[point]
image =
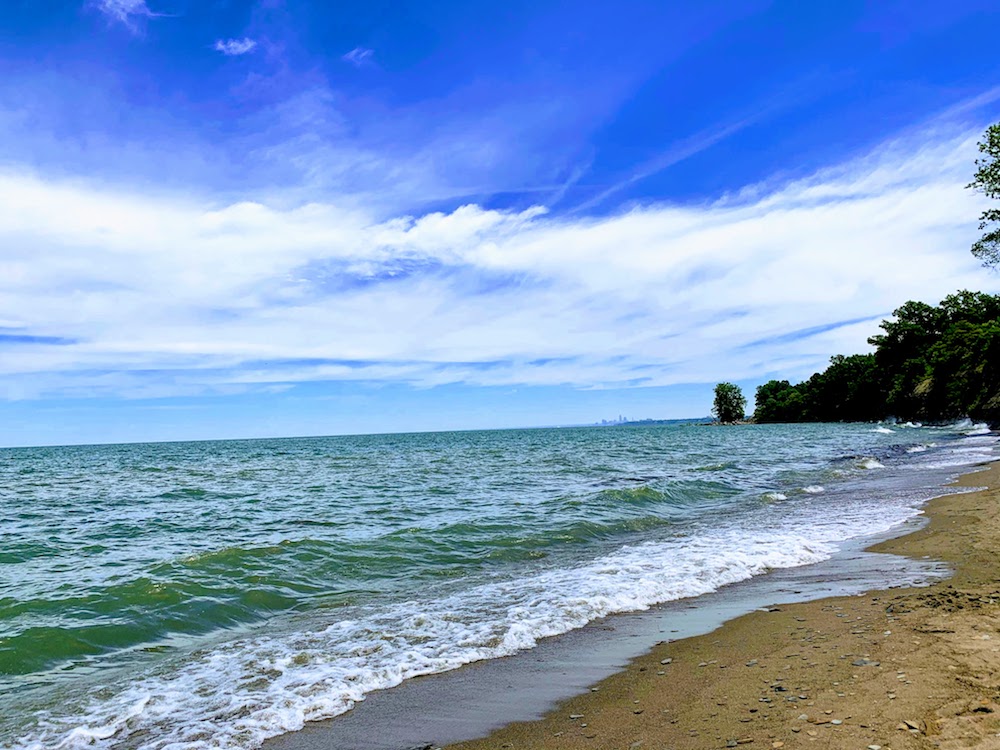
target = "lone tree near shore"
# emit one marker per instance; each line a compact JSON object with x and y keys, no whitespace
{"x":987,"y":181}
{"x":730,"y":404}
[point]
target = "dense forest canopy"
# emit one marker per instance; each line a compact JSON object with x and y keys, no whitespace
{"x":930,"y":363}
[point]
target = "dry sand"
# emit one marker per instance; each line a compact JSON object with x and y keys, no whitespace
{"x":902,"y":668}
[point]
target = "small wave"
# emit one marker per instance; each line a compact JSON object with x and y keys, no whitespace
{"x":641,"y":495}
{"x":910,"y":425}
{"x":718,"y":467}
{"x":23,"y":552}
{"x":884,"y":431}
{"x":962,"y":424}
{"x":955,"y":457}
{"x":968,"y":427}
{"x":678,"y":493}
{"x":773,"y":496}
{"x":813,"y":489}
{"x":184,"y":493}
{"x":916,"y":449}
{"x":870,"y":463}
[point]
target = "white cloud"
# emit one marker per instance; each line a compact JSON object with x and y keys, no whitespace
{"x":234,"y":47}
{"x":168,"y":295}
{"x":124,"y":10}
{"x":359,"y":57}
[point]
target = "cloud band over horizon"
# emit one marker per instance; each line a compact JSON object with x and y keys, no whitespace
{"x":106,"y":292}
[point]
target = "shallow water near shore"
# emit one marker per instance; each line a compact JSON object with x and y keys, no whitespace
{"x":221,"y":593}
{"x":470,"y":702}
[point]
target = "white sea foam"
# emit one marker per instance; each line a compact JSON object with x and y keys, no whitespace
{"x":916,"y":449}
{"x":870,"y":463}
{"x":962,"y":455}
{"x":962,"y":424}
{"x":968,"y":427}
{"x":910,"y":425}
{"x":775,"y":496}
{"x":884,"y":431}
{"x":813,"y":489}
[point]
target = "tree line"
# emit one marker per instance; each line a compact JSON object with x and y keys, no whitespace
{"x":930,"y":363}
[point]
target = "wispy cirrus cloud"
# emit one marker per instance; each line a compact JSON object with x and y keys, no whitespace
{"x":360,"y":57}
{"x":153,"y":295}
{"x":234,"y":47}
{"x":683,"y":149}
{"x":124,"y":11}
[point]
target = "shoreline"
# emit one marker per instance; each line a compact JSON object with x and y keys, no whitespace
{"x":484,"y":696}
{"x":892,"y":668}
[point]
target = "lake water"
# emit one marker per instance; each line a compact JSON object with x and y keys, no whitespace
{"x":214,"y":594}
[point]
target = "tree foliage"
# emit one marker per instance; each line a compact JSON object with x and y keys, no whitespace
{"x":779,"y":401}
{"x":849,"y":390}
{"x":930,"y":363}
{"x":730,"y":404}
{"x":987,"y":181}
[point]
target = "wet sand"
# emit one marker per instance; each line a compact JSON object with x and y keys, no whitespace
{"x":902,"y":668}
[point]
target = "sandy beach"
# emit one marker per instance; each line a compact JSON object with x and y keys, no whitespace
{"x":900,"y":668}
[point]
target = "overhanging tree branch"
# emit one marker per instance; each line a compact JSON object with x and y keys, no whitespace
{"x":987,"y":181}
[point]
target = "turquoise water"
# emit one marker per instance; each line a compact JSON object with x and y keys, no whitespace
{"x":213,"y":594}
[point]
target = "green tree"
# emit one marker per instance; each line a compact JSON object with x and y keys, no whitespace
{"x":730,"y":404}
{"x":849,"y":390}
{"x":918,"y":357}
{"x":901,"y":354}
{"x":987,"y":181}
{"x":963,"y":373}
{"x":778,"y":401}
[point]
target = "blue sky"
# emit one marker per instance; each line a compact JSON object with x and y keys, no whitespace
{"x":228,"y":219}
